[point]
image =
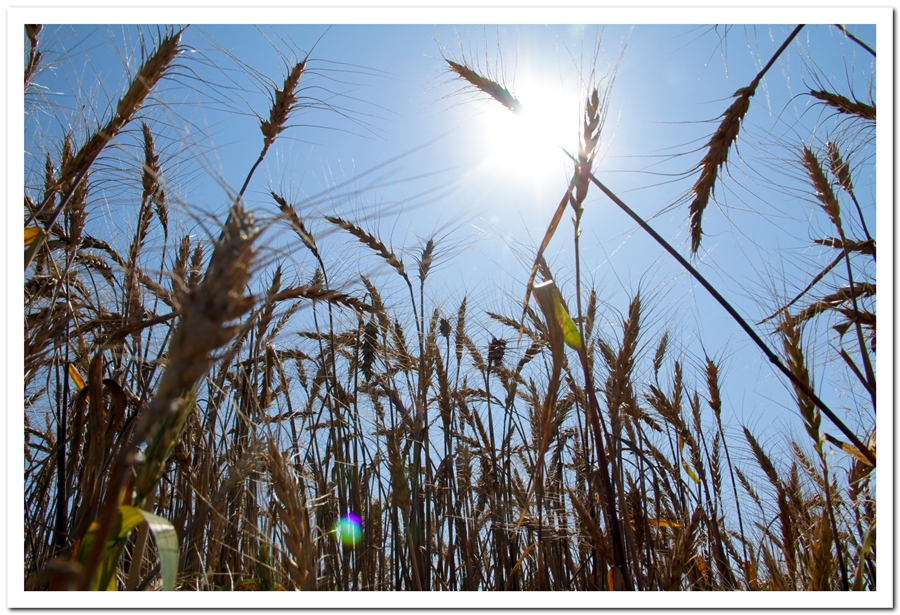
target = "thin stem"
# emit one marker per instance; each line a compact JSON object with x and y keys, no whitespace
{"x":831,"y":519}
{"x":854,"y":39}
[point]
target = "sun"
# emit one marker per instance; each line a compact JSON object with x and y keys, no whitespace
{"x":529,"y":145}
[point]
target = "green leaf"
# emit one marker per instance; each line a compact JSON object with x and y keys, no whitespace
{"x":560,"y":324}
{"x":166,"y":543}
{"x":124,"y":523}
{"x":570,"y":331}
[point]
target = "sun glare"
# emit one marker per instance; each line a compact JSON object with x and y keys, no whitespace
{"x":527,"y":145}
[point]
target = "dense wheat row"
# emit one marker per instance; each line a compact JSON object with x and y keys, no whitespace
{"x":337,"y":434}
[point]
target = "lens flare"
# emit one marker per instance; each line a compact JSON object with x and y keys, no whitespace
{"x":349,"y":529}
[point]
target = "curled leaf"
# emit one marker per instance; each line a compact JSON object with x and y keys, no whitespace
{"x":684,"y":463}
{"x":560,"y":325}
{"x":166,"y":542}
{"x":690,"y":471}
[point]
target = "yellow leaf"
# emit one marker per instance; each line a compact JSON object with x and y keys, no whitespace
{"x":124,"y":522}
{"x":663,"y":523}
{"x":684,"y":463}
{"x":32,"y":233}
{"x":75,"y":376}
{"x":849,"y":448}
{"x":570,"y":332}
{"x":519,"y":563}
{"x":701,"y":566}
{"x":690,"y":472}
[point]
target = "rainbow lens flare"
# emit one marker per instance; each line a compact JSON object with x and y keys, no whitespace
{"x":349,"y":529}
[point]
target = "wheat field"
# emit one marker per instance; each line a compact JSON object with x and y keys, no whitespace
{"x":280,"y":394}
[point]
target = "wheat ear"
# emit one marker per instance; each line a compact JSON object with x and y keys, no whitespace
{"x":372,"y":242}
{"x":488,"y":86}
{"x":831,"y":206}
{"x":844,"y":105}
{"x":716,"y":156}
{"x":284,"y":102}
{"x":720,"y":143}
